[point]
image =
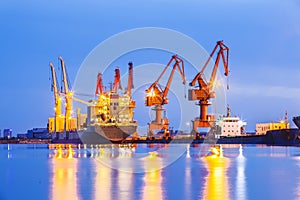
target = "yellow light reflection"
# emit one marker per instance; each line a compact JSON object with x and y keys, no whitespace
{"x":216,"y":182}
{"x":152,"y":185}
{"x":152,"y":178}
{"x":105,"y":174}
{"x":103,"y":181}
{"x":64,"y":179}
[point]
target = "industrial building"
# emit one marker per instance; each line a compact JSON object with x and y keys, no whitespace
{"x":261,"y":129}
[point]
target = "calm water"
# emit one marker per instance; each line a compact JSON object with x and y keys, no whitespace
{"x":242,"y":172}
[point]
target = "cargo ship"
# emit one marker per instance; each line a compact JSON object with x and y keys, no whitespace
{"x":110,"y":120}
{"x":273,"y":133}
{"x":296,"y":120}
{"x":230,"y":130}
{"x":106,"y":133}
{"x":286,"y":136}
{"x":110,"y":117}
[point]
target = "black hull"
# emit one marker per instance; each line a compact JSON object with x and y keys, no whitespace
{"x":106,"y":134}
{"x":296,"y":120}
{"x":249,"y":139}
{"x":286,"y":137}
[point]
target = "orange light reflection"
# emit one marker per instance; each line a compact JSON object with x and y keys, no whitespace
{"x":64,"y":179}
{"x":216,"y":183}
{"x":152,"y":178}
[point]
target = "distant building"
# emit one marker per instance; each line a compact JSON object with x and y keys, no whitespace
{"x":7,"y":133}
{"x":38,"y":133}
{"x":261,"y":129}
{"x":22,"y":135}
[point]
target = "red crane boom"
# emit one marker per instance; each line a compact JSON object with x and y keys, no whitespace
{"x":205,"y":91}
{"x":156,"y":95}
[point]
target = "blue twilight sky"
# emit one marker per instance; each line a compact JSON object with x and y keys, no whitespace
{"x":263,"y":36}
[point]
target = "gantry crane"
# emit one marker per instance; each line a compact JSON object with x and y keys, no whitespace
{"x":102,"y":103}
{"x":55,"y":124}
{"x":70,"y":123}
{"x":99,"y":86}
{"x":117,"y":81}
{"x":130,"y":80}
{"x":129,"y":90}
{"x":57,"y":99}
{"x":206,"y":89}
{"x":157,"y":97}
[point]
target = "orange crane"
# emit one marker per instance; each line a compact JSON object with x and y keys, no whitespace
{"x":130,"y":80}
{"x":157,"y":97}
{"x":129,"y":90}
{"x":117,"y":81}
{"x":55,"y":124}
{"x":205,"y":91}
{"x":99,"y":86}
{"x":102,"y":104}
{"x":70,"y":123}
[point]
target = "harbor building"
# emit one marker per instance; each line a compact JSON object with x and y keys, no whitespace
{"x":261,"y":129}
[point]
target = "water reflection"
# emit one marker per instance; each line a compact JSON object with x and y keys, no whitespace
{"x":188,"y":154}
{"x":102,"y":188}
{"x":107,"y":183}
{"x":152,"y":177}
{"x":216,"y":183}
{"x":64,"y":179}
{"x":241,"y":191}
{"x":125,"y":184}
{"x":297,"y":189}
{"x":188,"y":182}
{"x":279,"y":151}
{"x":152,"y":185}
{"x":9,"y":154}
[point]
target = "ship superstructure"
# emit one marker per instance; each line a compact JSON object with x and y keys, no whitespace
{"x":110,"y":116}
{"x":231,"y":126}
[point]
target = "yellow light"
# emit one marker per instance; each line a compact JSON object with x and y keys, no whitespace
{"x":151,"y":93}
{"x":215,"y":151}
{"x":152,"y":155}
